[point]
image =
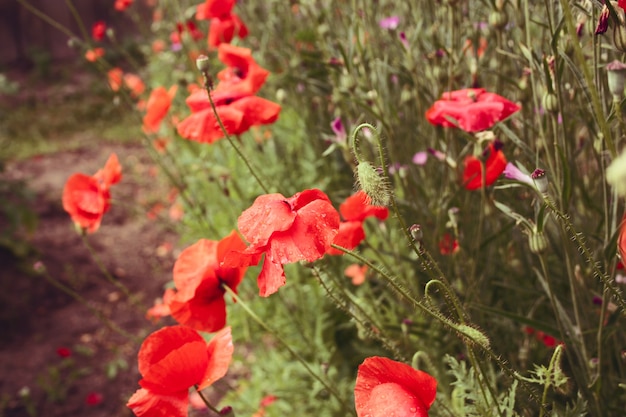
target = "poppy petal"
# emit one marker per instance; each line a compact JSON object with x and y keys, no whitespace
{"x":172,"y":359}
{"x":271,"y":278}
{"x":147,"y":404}
{"x":349,"y":236}
{"x":405,"y":383}
{"x":268,"y":214}
{"x":220,"y":352}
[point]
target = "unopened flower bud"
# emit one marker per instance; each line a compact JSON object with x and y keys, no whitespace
{"x":541,"y":180}
{"x":616,"y":75}
{"x":550,"y":102}
{"x":203,"y":63}
{"x":537,"y":241}
{"x":416,"y":232}
{"x":373,"y":183}
{"x":227,"y":411}
{"x":498,"y":19}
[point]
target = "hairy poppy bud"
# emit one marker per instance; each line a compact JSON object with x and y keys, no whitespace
{"x":373,"y":183}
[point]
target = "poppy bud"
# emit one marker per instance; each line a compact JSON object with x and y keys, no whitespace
{"x":474,"y":335}
{"x":537,"y":241}
{"x":498,"y":19}
{"x":616,"y":75}
{"x":203,"y":63}
{"x":416,"y":232}
{"x":227,"y":411}
{"x":373,"y":183}
{"x":550,"y":102}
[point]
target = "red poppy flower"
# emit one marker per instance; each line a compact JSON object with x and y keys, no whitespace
{"x":470,"y":109}
{"x":198,"y":276}
{"x":115,"y":77}
{"x":494,"y":165}
{"x":161,"y":306}
{"x":86,"y":198}
{"x":214,"y":8}
{"x":448,"y":245}
{"x":98,"y":30}
{"x":224,"y":29}
{"x":354,"y":210}
{"x":357,"y":273}
{"x":172,"y":360}
{"x":64,"y":352}
{"x":237,"y":117}
{"x":286,"y":230}
{"x":94,"y":398}
{"x":134,"y":83}
{"x":94,"y":54}
{"x":388,"y":388}
{"x":357,"y":207}
{"x":157,"y":107}
{"x":121,"y":5}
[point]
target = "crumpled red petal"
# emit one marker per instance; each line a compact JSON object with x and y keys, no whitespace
{"x":147,"y":404}
{"x":220,"y":352}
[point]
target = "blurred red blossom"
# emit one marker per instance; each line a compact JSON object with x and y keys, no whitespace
{"x":470,"y":109}
{"x":448,"y":245}
{"x":494,"y":164}
{"x":357,"y":273}
{"x":98,"y":30}
{"x":121,"y":5}
{"x":225,"y":24}
{"x":173,"y":359}
{"x":94,"y":54}
{"x":388,"y":388}
{"x":86,"y":198}
{"x":157,"y":107}
{"x":286,"y":230}
{"x":64,"y":352}
{"x":94,"y":398}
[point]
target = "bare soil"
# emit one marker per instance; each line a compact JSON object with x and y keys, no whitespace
{"x":36,"y":318}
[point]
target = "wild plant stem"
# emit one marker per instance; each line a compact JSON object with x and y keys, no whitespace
{"x":242,"y":155}
{"x":295,"y":354}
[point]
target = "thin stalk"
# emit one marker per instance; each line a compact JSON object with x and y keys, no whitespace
{"x":235,"y":145}
{"x":295,"y":354}
{"x":206,"y":401}
{"x":98,"y":314}
{"x":47,"y":19}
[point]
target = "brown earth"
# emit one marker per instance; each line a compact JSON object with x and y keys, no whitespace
{"x":36,"y":318}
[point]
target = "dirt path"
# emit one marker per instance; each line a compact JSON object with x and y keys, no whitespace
{"x":37,"y":319}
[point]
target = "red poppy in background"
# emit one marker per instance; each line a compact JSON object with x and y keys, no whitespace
{"x":224,"y":29}
{"x":242,"y":77}
{"x":388,"y":388}
{"x":121,"y":5}
{"x":237,"y":118}
{"x":173,"y":359}
{"x":621,"y":240}
{"x":286,"y":230}
{"x":98,"y":30}
{"x":354,"y":210}
{"x":214,"y":8}
{"x":199,"y":279}
{"x":494,"y":164}
{"x":86,"y":198}
{"x":115,"y":77}
{"x":470,"y":109}
{"x":448,"y":245}
{"x":157,"y":107}
{"x":94,"y":54}
{"x":357,"y":273}
{"x":134,"y":83}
